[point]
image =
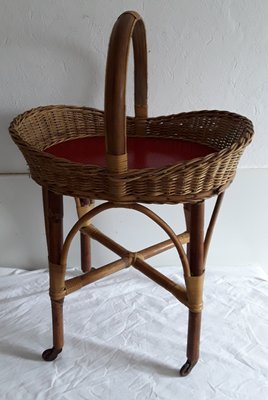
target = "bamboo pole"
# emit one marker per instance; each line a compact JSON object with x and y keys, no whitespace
{"x":175,"y":288}
{"x":147,"y":252}
{"x":78,"y":282}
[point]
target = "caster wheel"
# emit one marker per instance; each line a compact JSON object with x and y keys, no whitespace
{"x":51,"y":354}
{"x":187,"y":368}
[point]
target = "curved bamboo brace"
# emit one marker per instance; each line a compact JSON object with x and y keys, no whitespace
{"x":169,"y":231}
{"x":78,"y":225}
{"x":137,"y":260}
{"x":105,"y":206}
{"x":211,"y":225}
{"x":82,"y":209}
{"x":146,"y":252}
{"x":129,"y":25}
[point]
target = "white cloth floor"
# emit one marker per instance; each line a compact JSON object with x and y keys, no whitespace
{"x":125,"y":339}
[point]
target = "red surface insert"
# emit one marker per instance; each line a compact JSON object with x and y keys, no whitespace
{"x":142,"y":152}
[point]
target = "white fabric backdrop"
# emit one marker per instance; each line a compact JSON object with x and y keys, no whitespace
{"x":125,"y":339}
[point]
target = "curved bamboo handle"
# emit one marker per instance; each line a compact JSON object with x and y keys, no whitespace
{"x":129,"y":25}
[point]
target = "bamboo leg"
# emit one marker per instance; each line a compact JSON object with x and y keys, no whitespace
{"x":84,"y":205}
{"x":85,"y":252}
{"x":195,"y":223}
{"x":45,"y":209}
{"x":53,"y":209}
{"x":85,"y":244}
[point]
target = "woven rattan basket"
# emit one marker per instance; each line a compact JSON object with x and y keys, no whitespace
{"x":185,"y":181}
{"x":90,"y":154}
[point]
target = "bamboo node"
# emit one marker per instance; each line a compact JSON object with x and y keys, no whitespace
{"x":57,"y":288}
{"x":133,"y":257}
{"x":57,"y":295}
{"x":194,"y":289}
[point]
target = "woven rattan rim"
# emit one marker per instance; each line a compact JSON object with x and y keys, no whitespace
{"x":189,"y":181}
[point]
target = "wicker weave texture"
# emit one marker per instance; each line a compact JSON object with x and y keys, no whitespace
{"x":189,"y":181}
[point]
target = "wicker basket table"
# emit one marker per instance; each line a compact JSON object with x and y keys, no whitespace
{"x":89,"y":154}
